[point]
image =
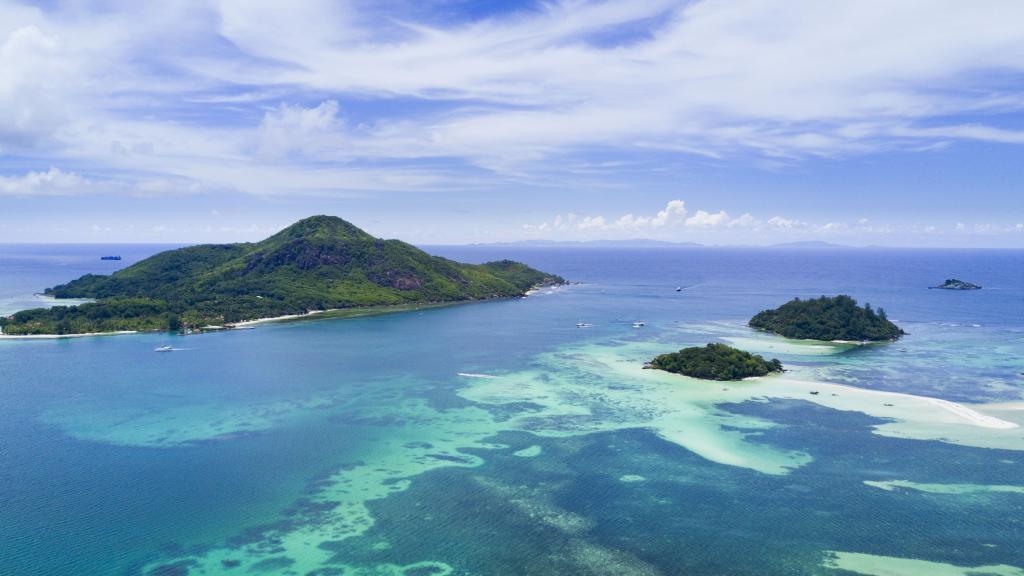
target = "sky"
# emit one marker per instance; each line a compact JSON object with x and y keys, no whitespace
{"x":864,"y":122}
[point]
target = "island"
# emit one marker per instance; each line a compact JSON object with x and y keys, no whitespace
{"x":956,"y":284}
{"x":715,"y":362}
{"x":837,"y":318}
{"x":317,"y":264}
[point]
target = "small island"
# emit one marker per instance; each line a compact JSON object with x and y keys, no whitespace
{"x":956,"y":284}
{"x":317,"y":264}
{"x":715,"y":362}
{"x":826,"y":318}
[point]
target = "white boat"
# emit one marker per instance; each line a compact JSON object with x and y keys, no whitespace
{"x":639,"y":324}
{"x":583,"y":325}
{"x":163,"y":349}
{"x":679,"y":288}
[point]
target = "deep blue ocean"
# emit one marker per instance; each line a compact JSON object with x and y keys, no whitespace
{"x":499,"y":439}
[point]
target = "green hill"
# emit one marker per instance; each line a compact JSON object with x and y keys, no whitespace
{"x":825,"y":318}
{"x":715,"y":362}
{"x":319,"y":263}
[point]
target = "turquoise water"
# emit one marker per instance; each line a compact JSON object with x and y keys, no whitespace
{"x":498,"y":438}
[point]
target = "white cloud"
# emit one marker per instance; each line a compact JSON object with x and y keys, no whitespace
{"x":31,"y":68}
{"x":672,"y":223}
{"x":708,"y":78}
{"x":591,"y":222}
{"x":780,"y":222}
{"x":295,"y":129}
{"x":719,"y":227}
{"x":704,"y":219}
{"x":964,"y":132}
{"x":53,"y":182}
{"x":667,"y":221}
{"x":57,"y":182}
{"x":744,"y":221}
{"x":121,"y":87}
{"x":674,"y":213}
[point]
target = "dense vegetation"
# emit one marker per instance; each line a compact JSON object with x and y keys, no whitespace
{"x":715,"y":362}
{"x":318,"y":263}
{"x":825,"y":318}
{"x":957,"y":284}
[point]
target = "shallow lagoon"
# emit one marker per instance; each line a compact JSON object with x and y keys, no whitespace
{"x":379,"y":446}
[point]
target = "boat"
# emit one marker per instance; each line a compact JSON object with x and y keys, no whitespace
{"x":583,"y":325}
{"x":638,"y":324}
{"x":679,"y":288}
{"x":110,"y":257}
{"x":163,"y":349}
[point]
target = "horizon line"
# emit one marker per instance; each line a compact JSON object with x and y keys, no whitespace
{"x":582,"y":244}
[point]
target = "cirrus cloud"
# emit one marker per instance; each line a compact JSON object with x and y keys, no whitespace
{"x":584,"y":99}
{"x":504,"y":92}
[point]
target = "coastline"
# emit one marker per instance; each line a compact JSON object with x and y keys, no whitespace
{"x":62,"y":301}
{"x":961,"y":413}
{"x":333,"y":313}
{"x":354,"y":312}
{"x":329,"y":314}
{"x":230,"y":325}
{"x":816,"y":341}
{"x":60,"y":336}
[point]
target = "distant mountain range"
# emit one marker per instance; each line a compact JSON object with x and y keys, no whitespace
{"x":631,"y":243}
{"x":648,"y":243}
{"x":810,"y":244}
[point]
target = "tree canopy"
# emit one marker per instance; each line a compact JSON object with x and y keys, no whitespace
{"x":828,"y":318}
{"x":715,"y":362}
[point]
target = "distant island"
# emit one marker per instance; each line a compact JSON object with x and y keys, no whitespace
{"x":825,"y":318}
{"x":715,"y":362}
{"x":649,"y":243}
{"x":629,"y":243}
{"x":319,"y":263}
{"x":956,"y":284}
{"x":809,"y":244}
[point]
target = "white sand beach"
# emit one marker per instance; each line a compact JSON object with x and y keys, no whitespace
{"x":60,"y":336}
{"x":274,"y":319}
{"x":972,"y":416}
